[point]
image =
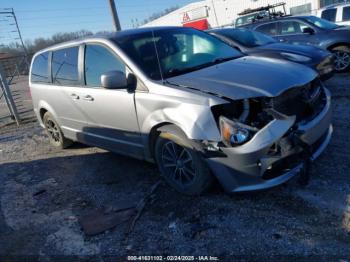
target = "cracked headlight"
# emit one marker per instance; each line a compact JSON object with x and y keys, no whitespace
{"x":295,"y":57}
{"x":233,"y":133}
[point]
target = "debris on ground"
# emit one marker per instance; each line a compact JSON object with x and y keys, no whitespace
{"x":141,"y":205}
{"x":99,"y":221}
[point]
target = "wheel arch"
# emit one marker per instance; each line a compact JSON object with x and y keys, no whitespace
{"x":334,"y":45}
{"x":44,"y":107}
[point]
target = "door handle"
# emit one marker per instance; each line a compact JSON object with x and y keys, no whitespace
{"x":88,"y":98}
{"x":74,"y":96}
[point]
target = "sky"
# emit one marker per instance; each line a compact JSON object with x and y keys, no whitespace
{"x":43,"y":18}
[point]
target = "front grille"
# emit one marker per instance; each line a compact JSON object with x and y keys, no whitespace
{"x":305,"y":102}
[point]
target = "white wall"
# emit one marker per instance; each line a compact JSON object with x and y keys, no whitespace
{"x":224,"y":12}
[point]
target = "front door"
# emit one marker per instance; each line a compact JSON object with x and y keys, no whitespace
{"x":291,"y":31}
{"x":111,"y":115}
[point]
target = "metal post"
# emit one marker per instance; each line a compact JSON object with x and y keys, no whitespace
{"x":114,"y":15}
{"x":20,"y":38}
{"x":12,"y":12}
{"x":8,"y":96}
{"x":216,"y":17}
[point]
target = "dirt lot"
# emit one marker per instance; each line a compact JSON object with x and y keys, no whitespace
{"x":44,"y":192}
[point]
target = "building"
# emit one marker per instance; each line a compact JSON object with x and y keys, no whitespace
{"x":219,"y":13}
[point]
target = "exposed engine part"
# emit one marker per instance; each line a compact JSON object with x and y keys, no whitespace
{"x":245,"y":112}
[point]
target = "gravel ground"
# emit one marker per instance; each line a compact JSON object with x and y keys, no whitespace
{"x":44,"y":192}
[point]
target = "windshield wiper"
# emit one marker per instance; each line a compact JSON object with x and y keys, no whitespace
{"x":177,"y":71}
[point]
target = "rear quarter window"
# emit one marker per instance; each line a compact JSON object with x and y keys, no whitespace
{"x":40,"y":69}
{"x":65,"y":67}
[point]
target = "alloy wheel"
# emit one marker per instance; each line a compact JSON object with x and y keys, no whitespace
{"x":53,"y":131}
{"x":342,"y":60}
{"x":178,"y":164}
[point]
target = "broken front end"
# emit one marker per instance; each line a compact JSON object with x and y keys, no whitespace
{"x":270,"y":140}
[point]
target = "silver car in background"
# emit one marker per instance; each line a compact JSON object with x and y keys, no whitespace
{"x":187,"y":101}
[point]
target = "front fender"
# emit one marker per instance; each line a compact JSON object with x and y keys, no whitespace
{"x":196,"y":121}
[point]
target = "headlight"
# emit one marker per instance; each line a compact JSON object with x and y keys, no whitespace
{"x":296,"y":58}
{"x":233,"y":133}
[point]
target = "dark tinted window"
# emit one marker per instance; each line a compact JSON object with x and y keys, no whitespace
{"x":99,"y":60}
{"x":269,"y":29}
{"x":329,"y":14}
{"x":246,"y":38}
{"x":346,"y":13}
{"x":40,"y":69}
{"x":65,"y":66}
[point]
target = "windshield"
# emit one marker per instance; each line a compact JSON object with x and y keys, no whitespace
{"x":175,"y":51}
{"x":247,"y":38}
{"x":321,"y":23}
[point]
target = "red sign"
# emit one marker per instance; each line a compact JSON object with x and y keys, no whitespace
{"x":200,"y":24}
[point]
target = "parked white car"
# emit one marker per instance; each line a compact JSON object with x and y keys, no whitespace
{"x":338,"y":13}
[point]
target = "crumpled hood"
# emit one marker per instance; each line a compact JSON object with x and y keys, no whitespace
{"x":247,"y":77}
{"x":306,"y":50}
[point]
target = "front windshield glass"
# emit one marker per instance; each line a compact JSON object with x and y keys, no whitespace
{"x":175,"y":51}
{"x":247,"y":38}
{"x":321,"y":23}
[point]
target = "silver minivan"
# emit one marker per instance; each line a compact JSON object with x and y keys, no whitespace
{"x":184,"y":99}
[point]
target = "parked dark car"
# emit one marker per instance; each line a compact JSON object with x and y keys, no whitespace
{"x":258,"y":44}
{"x":310,"y":30}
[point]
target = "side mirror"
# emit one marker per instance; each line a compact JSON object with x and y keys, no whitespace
{"x":308,"y":30}
{"x":114,"y":80}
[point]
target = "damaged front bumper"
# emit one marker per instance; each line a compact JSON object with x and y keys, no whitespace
{"x":253,"y":166}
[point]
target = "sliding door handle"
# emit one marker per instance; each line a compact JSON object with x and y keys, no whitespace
{"x":74,"y":96}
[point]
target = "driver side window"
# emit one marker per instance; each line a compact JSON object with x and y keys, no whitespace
{"x":99,"y":60}
{"x":292,"y":27}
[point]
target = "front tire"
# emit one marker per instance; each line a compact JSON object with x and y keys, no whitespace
{"x":182,"y":167}
{"x":54,"y":132}
{"x":342,"y":58}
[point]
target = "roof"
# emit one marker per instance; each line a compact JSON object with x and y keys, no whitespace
{"x":336,"y":5}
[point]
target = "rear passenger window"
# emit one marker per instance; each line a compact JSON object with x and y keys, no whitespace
{"x":40,"y":69}
{"x":346,"y":13}
{"x":99,"y":60}
{"x":65,"y":67}
{"x":269,"y":29}
{"x":329,"y":14}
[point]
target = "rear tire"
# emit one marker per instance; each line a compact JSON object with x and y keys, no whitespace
{"x":54,"y":132}
{"x":182,"y":167}
{"x":342,"y":58}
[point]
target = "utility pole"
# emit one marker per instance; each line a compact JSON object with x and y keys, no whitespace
{"x":114,"y":15}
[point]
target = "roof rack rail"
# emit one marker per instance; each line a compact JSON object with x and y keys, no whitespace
{"x":270,"y":9}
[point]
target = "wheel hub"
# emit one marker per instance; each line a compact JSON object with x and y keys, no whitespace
{"x":178,"y":163}
{"x":342,"y":60}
